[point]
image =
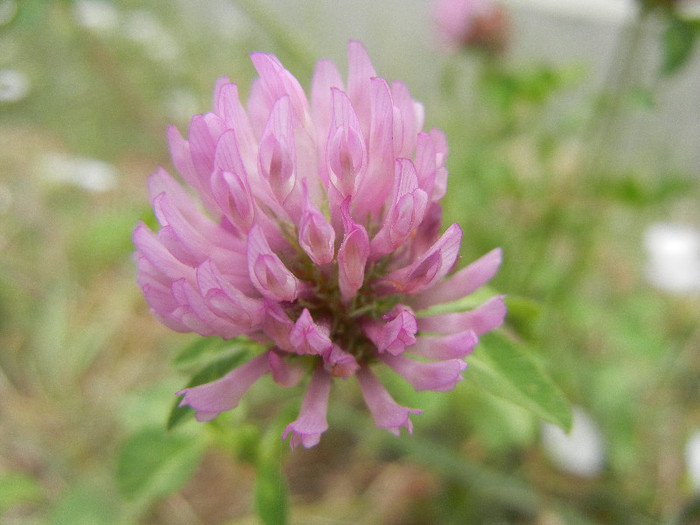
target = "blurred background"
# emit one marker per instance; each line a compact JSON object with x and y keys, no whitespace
{"x":574,"y":131}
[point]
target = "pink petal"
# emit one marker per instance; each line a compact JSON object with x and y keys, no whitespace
{"x":210,"y":399}
{"x":440,"y":141}
{"x":428,"y":232}
{"x":462,"y":283}
{"x":431,"y":152}
{"x":360,"y":73}
{"x":346,"y":152}
{"x":276,"y":82}
{"x":182,"y":159}
{"x":203,"y":134}
{"x":226,"y":300}
{"x":158,"y":294}
{"x":190,"y":238}
{"x":439,"y":376}
{"x":267,"y":272}
{"x":352,"y":255}
{"x":394,"y":332}
{"x":227,"y":156}
{"x":326,"y":76}
{"x":162,"y":182}
{"x":406,"y":125}
{"x":483,"y":319}
{"x":149,"y":247}
{"x":311,"y":423}
{"x":440,"y":348}
{"x":277,"y":157}
{"x":339,"y":363}
{"x":307,"y":337}
{"x":196,"y":313}
{"x":277,"y":326}
{"x":385,"y":411}
{"x":283,"y":373}
{"x":228,"y":106}
{"x":405,"y":213}
{"x":231,"y":157}
{"x":316,"y":235}
{"x":432,"y":266}
{"x":232,"y":194}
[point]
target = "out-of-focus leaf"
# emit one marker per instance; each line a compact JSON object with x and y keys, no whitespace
{"x":18,"y":488}
{"x":270,"y":485}
{"x":271,"y":492}
{"x":522,"y":314}
{"x":29,"y":12}
{"x":83,"y":504}
{"x":104,"y":240}
{"x":678,"y":43}
{"x":211,"y":372}
{"x":505,"y":369}
{"x":153,"y":463}
{"x":643,"y":98}
{"x":633,"y":190}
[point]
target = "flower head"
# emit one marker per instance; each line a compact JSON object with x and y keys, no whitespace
{"x":480,"y":24}
{"x":317,"y":234}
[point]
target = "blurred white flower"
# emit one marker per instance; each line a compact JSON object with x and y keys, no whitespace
{"x":97,"y":15}
{"x":14,"y":85}
{"x":673,"y":257}
{"x":8,"y":10}
{"x":581,"y":452}
{"x":181,"y":104}
{"x":145,"y":28}
{"x":692,"y":460}
{"x":90,"y":174}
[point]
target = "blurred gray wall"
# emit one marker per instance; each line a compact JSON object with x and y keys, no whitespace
{"x":401,"y":40}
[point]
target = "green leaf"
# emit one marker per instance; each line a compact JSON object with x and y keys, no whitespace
{"x":270,"y":485}
{"x":505,"y":369}
{"x":211,"y":372}
{"x":18,"y":488}
{"x":201,"y":349}
{"x":153,"y":463}
{"x":84,"y":504}
{"x":678,"y":43}
{"x":30,"y":13}
{"x":523,"y":314}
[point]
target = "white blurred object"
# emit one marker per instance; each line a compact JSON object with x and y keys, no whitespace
{"x":143,"y":27}
{"x":673,"y":257}
{"x":181,"y":104}
{"x":90,"y":174}
{"x":581,"y":452}
{"x":97,"y":15}
{"x":692,"y":460}
{"x":14,"y":85}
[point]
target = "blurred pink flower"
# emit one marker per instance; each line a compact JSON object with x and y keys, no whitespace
{"x":480,"y":24}
{"x":317,"y":235}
